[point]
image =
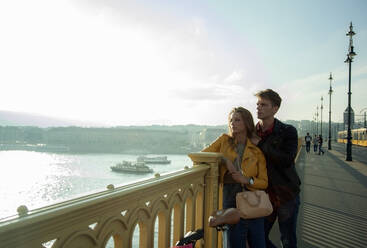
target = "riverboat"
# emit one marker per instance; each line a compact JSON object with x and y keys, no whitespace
{"x":130,"y":167}
{"x":154,"y":160}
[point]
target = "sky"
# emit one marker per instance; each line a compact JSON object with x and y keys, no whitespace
{"x":167,"y":62}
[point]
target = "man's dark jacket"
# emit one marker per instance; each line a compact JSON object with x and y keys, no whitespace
{"x":280,"y":150}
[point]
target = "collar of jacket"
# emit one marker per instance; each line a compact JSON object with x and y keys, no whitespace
{"x":248,"y":149}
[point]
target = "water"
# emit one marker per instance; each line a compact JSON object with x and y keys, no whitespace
{"x":38,"y":179}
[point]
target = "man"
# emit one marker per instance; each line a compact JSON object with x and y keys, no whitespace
{"x":279,"y":142}
{"x":308,"y":139}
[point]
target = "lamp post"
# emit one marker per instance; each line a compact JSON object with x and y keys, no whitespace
{"x":330,"y":92}
{"x":314,"y":124}
{"x":317,"y":120}
{"x":349,"y":60}
{"x":322,"y":107}
{"x":364,"y":124}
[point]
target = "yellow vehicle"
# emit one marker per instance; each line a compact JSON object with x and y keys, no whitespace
{"x":359,"y":136}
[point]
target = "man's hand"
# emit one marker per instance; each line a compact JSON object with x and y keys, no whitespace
{"x":236,"y":175}
{"x":255,"y":140}
{"x":229,"y":165}
{"x":239,"y":178}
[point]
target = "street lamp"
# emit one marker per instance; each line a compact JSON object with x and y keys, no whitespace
{"x":349,"y":60}
{"x":322,"y":107}
{"x":317,"y":120}
{"x":330,"y":92}
{"x":364,"y":117}
{"x":314,"y":125}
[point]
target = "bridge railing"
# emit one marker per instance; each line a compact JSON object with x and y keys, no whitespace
{"x":189,"y":195}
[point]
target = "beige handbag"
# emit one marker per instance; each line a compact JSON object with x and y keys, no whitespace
{"x":253,"y":204}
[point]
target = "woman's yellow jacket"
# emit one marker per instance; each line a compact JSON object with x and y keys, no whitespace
{"x":253,"y":161}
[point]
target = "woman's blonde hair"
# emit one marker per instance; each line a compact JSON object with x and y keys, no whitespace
{"x":247,"y":119}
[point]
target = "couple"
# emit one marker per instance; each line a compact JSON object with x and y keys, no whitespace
{"x":265,"y":156}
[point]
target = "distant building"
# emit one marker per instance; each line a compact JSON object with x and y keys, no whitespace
{"x":346,"y":118}
{"x":208,"y":135}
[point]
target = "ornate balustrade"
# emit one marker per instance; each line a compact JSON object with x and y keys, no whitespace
{"x":189,"y":196}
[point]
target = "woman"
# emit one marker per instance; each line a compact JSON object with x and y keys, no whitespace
{"x":315,"y":142}
{"x":239,"y":152}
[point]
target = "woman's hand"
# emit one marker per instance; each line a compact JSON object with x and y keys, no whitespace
{"x":239,"y":178}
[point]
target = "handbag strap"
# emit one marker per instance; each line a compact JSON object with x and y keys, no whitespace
{"x":240,"y":149}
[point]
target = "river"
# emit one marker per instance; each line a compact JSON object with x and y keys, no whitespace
{"x":37,"y":179}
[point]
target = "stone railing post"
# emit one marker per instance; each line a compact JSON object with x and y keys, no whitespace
{"x":211,"y":192}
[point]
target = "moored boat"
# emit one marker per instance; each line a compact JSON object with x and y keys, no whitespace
{"x":130,"y":167}
{"x":154,"y":160}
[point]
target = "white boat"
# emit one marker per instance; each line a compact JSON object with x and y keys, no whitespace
{"x":154,"y":160}
{"x":130,"y":167}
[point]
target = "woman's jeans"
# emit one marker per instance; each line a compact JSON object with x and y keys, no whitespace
{"x":236,"y":235}
{"x":287,"y":227}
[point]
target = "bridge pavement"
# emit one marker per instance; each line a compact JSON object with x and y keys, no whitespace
{"x":333,"y":211}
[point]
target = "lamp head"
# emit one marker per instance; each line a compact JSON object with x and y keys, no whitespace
{"x":352,"y":53}
{"x":348,"y":59}
{"x":351,"y":32}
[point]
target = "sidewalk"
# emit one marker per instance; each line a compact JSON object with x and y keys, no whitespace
{"x":333,"y":211}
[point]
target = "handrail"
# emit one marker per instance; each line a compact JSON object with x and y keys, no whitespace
{"x":300,"y":143}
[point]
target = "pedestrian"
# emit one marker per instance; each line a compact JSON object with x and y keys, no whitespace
{"x":244,"y":166}
{"x":308,"y":140}
{"x":320,"y":145}
{"x":315,"y":142}
{"x":279,"y":143}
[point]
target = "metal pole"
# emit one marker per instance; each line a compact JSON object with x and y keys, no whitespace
{"x":349,"y":132}
{"x":322,"y":107}
{"x":330,"y":91}
{"x":364,"y":115}
{"x":349,"y":60}
{"x":314,"y":124}
{"x":317,"y":120}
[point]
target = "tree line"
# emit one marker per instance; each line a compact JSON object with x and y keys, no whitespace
{"x":155,"y":139}
{"x":133,"y":140}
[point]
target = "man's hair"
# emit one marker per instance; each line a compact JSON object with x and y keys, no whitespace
{"x":271,"y":95}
